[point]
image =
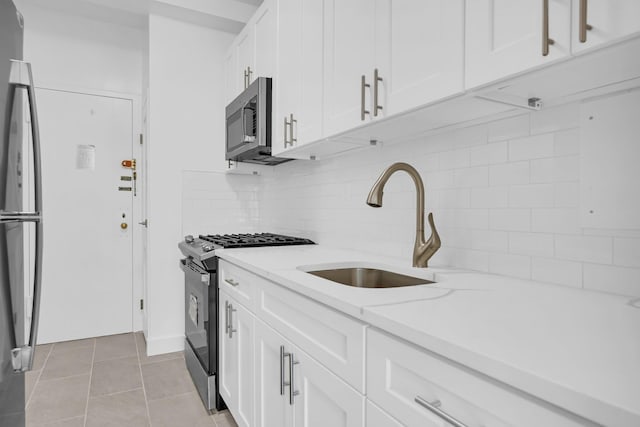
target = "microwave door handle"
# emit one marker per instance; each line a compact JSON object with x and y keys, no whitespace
{"x":245,"y":137}
{"x":22,"y":77}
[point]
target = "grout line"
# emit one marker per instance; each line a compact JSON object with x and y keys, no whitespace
{"x":115,"y":393}
{"x":144,"y":388}
{"x":86,"y":407}
{"x":44,"y":364}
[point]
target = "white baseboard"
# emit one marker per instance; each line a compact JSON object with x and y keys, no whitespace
{"x":161,"y":345}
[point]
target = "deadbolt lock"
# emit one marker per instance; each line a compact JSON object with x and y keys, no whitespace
{"x":124,"y":225}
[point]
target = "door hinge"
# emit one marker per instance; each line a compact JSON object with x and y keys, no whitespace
{"x":141,"y":304}
{"x":141,"y":139}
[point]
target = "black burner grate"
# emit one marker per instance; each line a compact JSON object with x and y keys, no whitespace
{"x":254,"y":240}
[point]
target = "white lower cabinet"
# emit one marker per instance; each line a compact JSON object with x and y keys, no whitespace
{"x":398,"y":373}
{"x":236,"y":353}
{"x":291,"y":388}
{"x":376,"y":417}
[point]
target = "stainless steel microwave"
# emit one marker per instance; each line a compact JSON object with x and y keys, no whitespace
{"x":248,"y":129}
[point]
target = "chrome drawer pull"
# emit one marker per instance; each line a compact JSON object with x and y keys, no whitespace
{"x":231,"y":282}
{"x":282,"y":383}
{"x":546,"y":41}
{"x":433,"y":407}
{"x":231,"y":330}
{"x":292,"y":393}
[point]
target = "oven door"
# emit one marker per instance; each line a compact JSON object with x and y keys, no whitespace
{"x":196,"y":309}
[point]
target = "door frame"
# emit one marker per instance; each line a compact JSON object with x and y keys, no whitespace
{"x":137,"y":202}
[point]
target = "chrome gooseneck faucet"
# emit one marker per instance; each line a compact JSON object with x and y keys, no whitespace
{"x":422,"y":250}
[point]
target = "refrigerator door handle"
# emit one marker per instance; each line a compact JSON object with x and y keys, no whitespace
{"x":21,"y":77}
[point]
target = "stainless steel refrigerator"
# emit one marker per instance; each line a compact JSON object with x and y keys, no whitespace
{"x":20,"y":230}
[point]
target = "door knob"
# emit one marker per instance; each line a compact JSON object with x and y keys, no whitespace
{"x":123,"y":225}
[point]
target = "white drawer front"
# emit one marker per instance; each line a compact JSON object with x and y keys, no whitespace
{"x":376,"y":417}
{"x":238,"y":282}
{"x":398,"y":372}
{"x":335,"y":340}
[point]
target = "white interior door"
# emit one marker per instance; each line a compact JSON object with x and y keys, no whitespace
{"x":87,"y":271}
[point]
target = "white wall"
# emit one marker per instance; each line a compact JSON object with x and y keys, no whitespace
{"x":78,"y":53}
{"x":505,"y":198}
{"x":186,"y":116}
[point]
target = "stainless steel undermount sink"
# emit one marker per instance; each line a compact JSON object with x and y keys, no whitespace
{"x":361,"y":277}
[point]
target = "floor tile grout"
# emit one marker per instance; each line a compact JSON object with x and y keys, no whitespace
{"x":86,"y":408}
{"x":44,"y":363}
{"x":144,"y":389}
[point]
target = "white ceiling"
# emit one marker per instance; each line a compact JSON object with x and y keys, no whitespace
{"x":224,"y":15}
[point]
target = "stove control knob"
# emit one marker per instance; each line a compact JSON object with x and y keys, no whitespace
{"x":207,"y":248}
{"x":188,"y":239}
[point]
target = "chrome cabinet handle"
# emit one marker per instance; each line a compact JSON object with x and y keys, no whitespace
{"x":546,"y":41}
{"x":376,"y":80}
{"x":246,"y":78}
{"x":434,"y":408}
{"x":249,"y":74}
{"x":363,"y":86}
{"x":226,"y":317}
{"x":21,"y":76}
{"x":293,"y":139}
{"x":231,"y":330}
{"x":292,"y":383}
{"x":286,"y":125}
{"x":231,"y":282}
{"x":282,"y":383}
{"x":584,"y":27}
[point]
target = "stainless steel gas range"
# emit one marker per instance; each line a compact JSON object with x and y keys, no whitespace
{"x":200,"y":267}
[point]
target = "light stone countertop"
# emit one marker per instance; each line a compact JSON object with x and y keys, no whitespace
{"x":577,"y":349}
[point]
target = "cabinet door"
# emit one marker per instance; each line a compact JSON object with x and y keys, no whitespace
{"x":323,"y":399}
{"x":228,"y":356}
{"x":504,"y":37}
{"x":298,"y":87}
{"x":264,"y":29}
{"x":349,"y":32}
{"x":236,"y":360}
{"x":376,"y":417}
{"x":420,"y":46}
{"x":231,"y":81}
{"x":272,"y":407}
{"x":610,"y":20}
{"x":245,"y":52}
{"x":286,"y":87}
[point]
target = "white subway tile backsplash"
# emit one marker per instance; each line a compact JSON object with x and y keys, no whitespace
{"x":505,"y":198}
{"x":531,"y":147}
{"x":510,"y":265}
{"x":455,"y":159}
{"x":513,"y":173}
{"x":531,"y":196}
{"x":560,"y":272}
{"x":471,"y":177}
{"x":626,"y":252}
{"x":536,"y":244}
{"x":489,"y":240}
{"x":567,"y":195}
{"x":513,"y":127}
{"x":566,"y":168}
{"x":565,"y":220}
{"x":542,"y":170}
{"x":510,"y":219}
{"x":567,"y":143}
{"x":608,"y":278}
{"x":555,"y":119}
{"x":584,"y":248}
{"x":489,"y":154}
{"x":489,"y":197}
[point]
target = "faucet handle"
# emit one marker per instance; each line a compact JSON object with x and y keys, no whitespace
{"x":434,"y":241}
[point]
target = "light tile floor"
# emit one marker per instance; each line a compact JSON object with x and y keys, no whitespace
{"x":110,"y":381}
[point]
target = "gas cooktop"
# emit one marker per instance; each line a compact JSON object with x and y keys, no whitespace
{"x":203,"y":247}
{"x":253,"y":240}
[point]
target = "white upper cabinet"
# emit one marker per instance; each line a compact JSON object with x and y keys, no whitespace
{"x":420,"y":49}
{"x":349,"y":60}
{"x":252,"y":53}
{"x":385,"y":57}
{"x":505,"y":37}
{"x":297,"y":90}
{"x":597,"y":22}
